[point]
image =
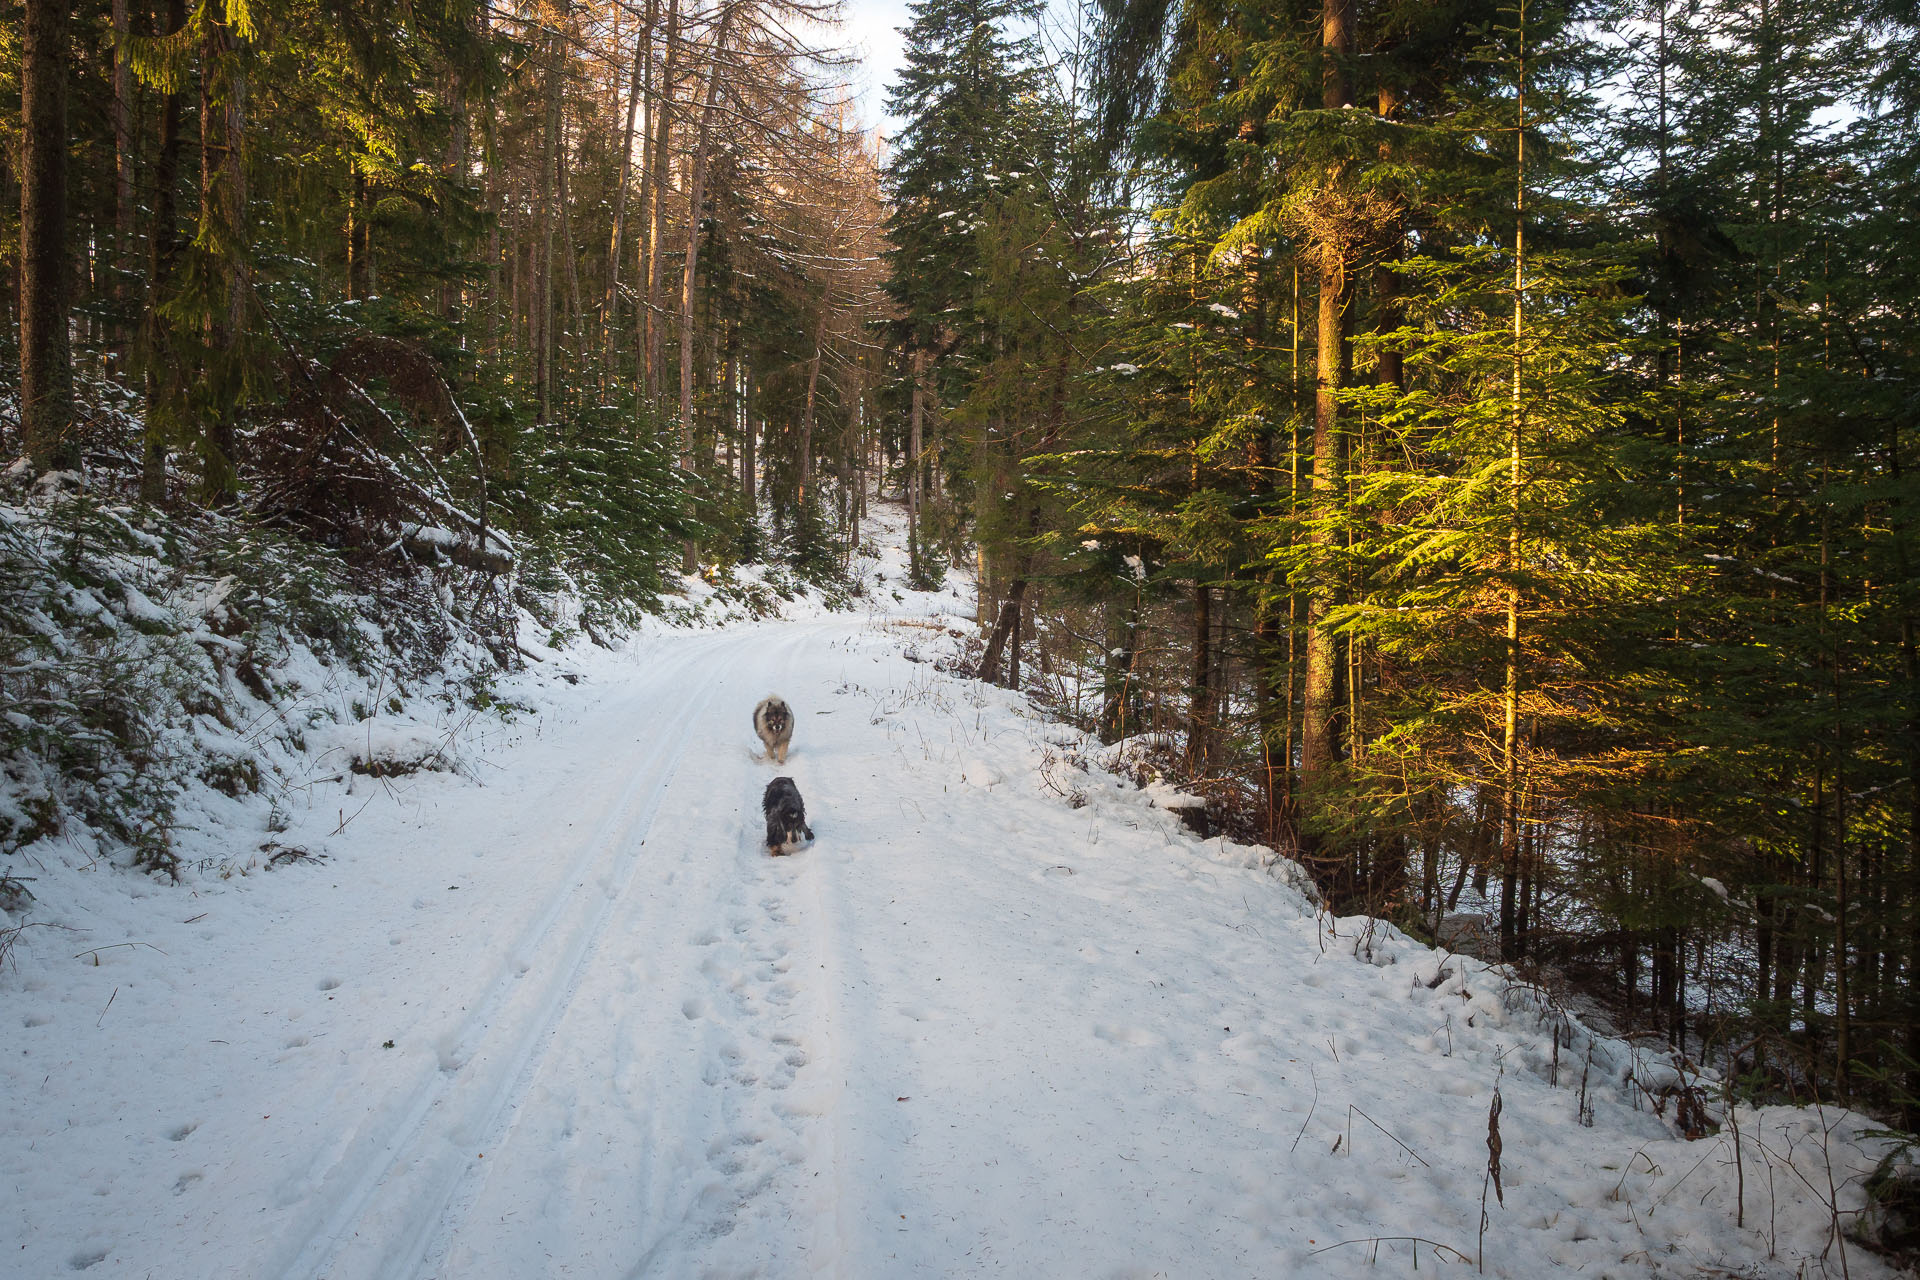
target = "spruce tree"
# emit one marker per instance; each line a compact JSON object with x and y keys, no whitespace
{"x":959,"y":91}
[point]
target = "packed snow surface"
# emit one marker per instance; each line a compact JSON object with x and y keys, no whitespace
{"x":555,"y":1012}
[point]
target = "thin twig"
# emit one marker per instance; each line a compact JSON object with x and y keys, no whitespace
{"x":1352,"y":1110}
{"x":1316,"y":1102}
{"x":113,"y":945}
{"x":1415,"y":1241}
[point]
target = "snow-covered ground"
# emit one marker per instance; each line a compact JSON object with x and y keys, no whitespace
{"x":555,"y":1012}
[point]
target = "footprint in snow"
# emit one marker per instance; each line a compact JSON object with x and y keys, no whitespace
{"x":1135,"y":1037}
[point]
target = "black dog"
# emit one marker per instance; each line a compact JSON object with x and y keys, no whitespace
{"x":786,"y":816}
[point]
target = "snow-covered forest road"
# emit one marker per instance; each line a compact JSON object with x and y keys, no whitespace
{"x":559,"y":1014}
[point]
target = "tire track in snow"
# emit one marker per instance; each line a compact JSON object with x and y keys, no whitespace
{"x":822,"y":1196}
{"x":485,"y":1068}
{"x":761,"y":996}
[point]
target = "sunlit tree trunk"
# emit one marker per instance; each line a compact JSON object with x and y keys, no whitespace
{"x":1510,"y":700}
{"x":1320,"y":737}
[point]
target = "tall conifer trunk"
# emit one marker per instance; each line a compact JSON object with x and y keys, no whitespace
{"x":690,"y":276}
{"x":1200,"y":684}
{"x":1120,"y":693}
{"x":359,"y":236}
{"x":915,"y":428}
{"x":46,"y":361}
{"x":610,"y":305}
{"x":459,"y":163}
{"x":748,"y":438}
{"x":663,"y":106}
{"x":1320,"y":734}
{"x":123,"y":250}
{"x":223,"y":205}
{"x":643,"y":215}
{"x":1905,"y":950}
{"x":490,"y":181}
{"x":163,"y":253}
{"x":577,"y":345}
{"x":1390,"y":365}
{"x":1510,"y":700}
{"x":545,"y":197}
{"x":804,"y":463}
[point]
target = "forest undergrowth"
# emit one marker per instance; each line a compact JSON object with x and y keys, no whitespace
{"x":148,"y":650}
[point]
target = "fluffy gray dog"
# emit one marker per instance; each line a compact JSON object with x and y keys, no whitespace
{"x":773,"y":721}
{"x":786,"y":816}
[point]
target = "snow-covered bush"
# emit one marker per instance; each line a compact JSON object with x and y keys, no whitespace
{"x":142,"y":652}
{"x":89,"y":670}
